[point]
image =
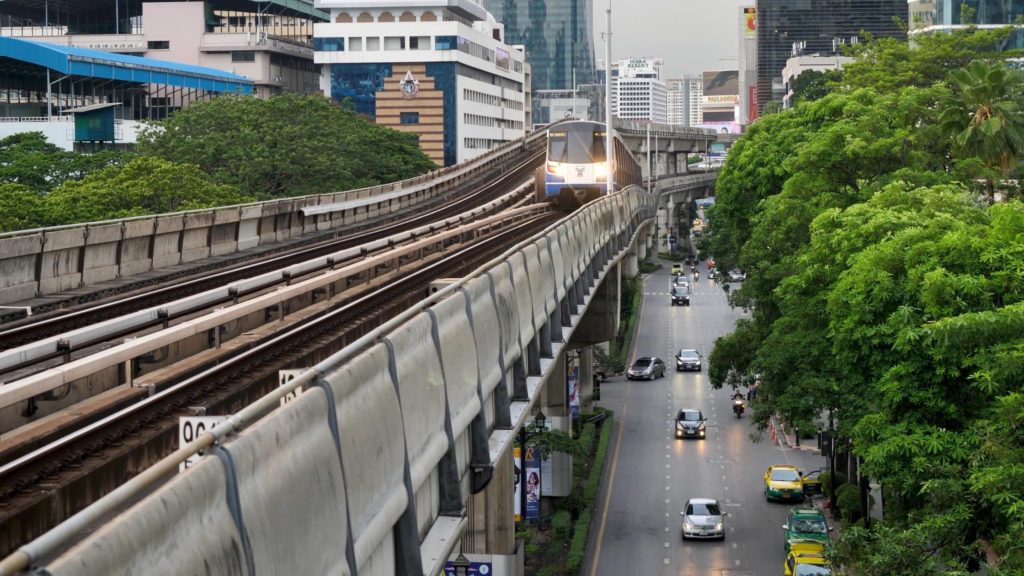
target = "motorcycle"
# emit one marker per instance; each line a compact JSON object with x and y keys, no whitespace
{"x":738,"y":406}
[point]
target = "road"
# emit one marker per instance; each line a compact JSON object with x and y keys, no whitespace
{"x":652,"y":474}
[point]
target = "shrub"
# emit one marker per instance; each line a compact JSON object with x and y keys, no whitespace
{"x":561,"y":524}
{"x":848,"y":500}
{"x":590,"y":491}
{"x":826,"y":481}
{"x":579,"y":543}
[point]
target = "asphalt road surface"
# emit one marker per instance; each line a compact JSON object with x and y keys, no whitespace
{"x":652,"y":474}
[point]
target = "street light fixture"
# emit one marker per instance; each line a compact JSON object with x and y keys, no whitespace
{"x":524,"y":437}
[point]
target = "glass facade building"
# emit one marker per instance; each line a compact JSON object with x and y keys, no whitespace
{"x":783,"y":23}
{"x":931,"y":16}
{"x":557,"y":35}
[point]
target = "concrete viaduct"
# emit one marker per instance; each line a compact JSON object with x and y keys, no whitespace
{"x":397,"y":455}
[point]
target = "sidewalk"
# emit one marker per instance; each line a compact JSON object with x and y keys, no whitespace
{"x":781,"y":435}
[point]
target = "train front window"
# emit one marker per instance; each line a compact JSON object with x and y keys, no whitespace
{"x":576,"y":146}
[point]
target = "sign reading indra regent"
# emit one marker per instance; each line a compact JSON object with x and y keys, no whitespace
{"x":410,"y":86}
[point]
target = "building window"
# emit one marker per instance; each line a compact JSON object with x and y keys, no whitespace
{"x":355,"y":44}
{"x":243,"y":56}
{"x":373,"y":43}
{"x":446,"y":42}
{"x":410,"y":117}
{"x":158,"y":44}
{"x":419,"y":42}
{"x":394,"y":42}
{"x":329,"y":44}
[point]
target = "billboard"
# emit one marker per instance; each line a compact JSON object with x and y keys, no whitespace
{"x":751,"y":28}
{"x":722,"y":87}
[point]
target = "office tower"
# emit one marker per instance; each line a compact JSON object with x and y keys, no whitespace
{"x":557,"y":35}
{"x":783,"y":23}
{"x":931,"y":16}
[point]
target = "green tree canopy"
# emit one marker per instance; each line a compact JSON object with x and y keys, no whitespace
{"x":288,"y":145}
{"x":28,"y":159}
{"x":146,"y":185}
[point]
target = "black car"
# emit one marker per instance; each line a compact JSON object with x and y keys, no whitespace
{"x":688,"y":359}
{"x":690,"y":423}
{"x":691,"y":260}
{"x":680,"y":296}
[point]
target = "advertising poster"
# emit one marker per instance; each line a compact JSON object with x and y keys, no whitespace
{"x":517,"y":473}
{"x":572,"y":379}
{"x":532,"y":463}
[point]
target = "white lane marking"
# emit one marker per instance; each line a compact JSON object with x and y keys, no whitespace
{"x":666,"y":561}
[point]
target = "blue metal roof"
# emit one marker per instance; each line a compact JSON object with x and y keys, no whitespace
{"x":100,"y":64}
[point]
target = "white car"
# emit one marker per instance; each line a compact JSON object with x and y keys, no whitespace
{"x":703,"y":518}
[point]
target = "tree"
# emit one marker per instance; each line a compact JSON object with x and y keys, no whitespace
{"x":21,"y":208}
{"x":983,"y":117}
{"x":288,"y":145}
{"x":146,"y":185}
{"x":29,"y":159}
{"x":813,"y":85}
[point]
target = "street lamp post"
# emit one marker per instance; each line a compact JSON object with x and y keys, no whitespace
{"x":524,"y":437}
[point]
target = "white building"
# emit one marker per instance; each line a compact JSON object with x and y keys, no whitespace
{"x":694,"y":99}
{"x":675,"y":90}
{"x":638,"y":92}
{"x":800,"y":64}
{"x":436,"y":68}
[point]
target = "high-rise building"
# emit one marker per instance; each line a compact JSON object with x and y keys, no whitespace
{"x":930,"y":16}
{"x":638,"y":92}
{"x":783,"y":23}
{"x":439,"y":69}
{"x":557,"y":35}
{"x":721,"y":101}
{"x":748,"y":65}
{"x":675,"y":89}
{"x":694,"y":99}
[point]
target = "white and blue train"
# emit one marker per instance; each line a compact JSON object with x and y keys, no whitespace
{"x":576,"y":170}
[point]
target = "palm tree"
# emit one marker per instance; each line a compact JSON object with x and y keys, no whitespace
{"x":983,"y":117}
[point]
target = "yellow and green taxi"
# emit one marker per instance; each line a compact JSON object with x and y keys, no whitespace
{"x":783,"y":482}
{"x":807,"y":558}
{"x":806,"y":523}
{"x":677,"y":269}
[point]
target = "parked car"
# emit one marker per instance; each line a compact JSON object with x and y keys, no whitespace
{"x":680,"y":296}
{"x":646,"y":368}
{"x":703,"y":518}
{"x":783,"y":482}
{"x":806,"y":523}
{"x":735,"y":275}
{"x":690,"y":423}
{"x":807,"y":558}
{"x":688,"y":359}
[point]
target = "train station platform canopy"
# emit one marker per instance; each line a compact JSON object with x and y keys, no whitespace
{"x":26,"y":58}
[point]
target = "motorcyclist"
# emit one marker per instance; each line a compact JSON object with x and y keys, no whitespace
{"x":737,"y":403}
{"x":696,"y":275}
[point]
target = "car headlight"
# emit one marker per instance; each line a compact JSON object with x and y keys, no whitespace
{"x":718,"y":526}
{"x":687,"y":524}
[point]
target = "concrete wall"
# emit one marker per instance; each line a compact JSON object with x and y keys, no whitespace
{"x":43,"y":262}
{"x":372,"y":469}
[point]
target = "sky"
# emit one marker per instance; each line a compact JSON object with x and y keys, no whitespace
{"x":691,"y":36}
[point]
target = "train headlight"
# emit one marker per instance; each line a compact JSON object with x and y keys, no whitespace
{"x":557,"y":168}
{"x":601,"y":170}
